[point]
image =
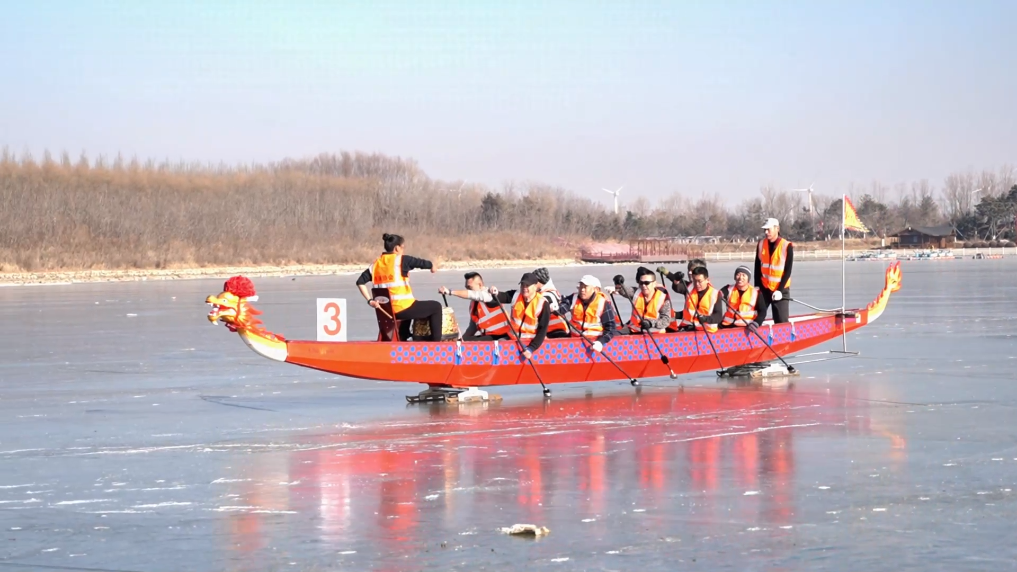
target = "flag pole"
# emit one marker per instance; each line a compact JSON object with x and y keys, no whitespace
{"x":843,"y":280}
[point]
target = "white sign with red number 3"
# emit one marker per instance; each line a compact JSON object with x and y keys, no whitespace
{"x":331,"y":319}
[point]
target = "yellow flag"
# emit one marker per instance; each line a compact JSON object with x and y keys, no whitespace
{"x":851,"y":220}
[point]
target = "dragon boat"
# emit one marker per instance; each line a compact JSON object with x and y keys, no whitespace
{"x":451,"y":367}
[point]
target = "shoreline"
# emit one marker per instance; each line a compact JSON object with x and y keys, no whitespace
{"x":64,"y":277}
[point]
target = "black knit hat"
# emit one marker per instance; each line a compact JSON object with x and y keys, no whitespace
{"x":542,"y":275}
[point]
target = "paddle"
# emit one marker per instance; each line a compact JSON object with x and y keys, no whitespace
{"x":755,"y":330}
{"x":568,"y":322}
{"x":663,"y":358}
{"x":699,"y":318}
{"x":522,"y":348}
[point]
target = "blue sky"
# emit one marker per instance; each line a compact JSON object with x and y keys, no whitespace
{"x":693,"y":97}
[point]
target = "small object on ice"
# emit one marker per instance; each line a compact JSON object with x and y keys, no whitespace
{"x":750,"y":493}
{"x":526,"y":530}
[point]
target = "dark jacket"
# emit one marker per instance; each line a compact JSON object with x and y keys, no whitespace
{"x":408,"y":263}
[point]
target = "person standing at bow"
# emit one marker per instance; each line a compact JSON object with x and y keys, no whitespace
{"x":774,"y":257}
{"x":703,"y":309}
{"x":743,"y":306}
{"x":590,"y":313}
{"x":391,"y":270}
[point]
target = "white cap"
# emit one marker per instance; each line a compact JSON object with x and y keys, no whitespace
{"x":590,"y":281}
{"x":770,"y":223}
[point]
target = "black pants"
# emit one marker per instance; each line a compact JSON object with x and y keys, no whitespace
{"x":485,"y":338}
{"x":781,"y":308}
{"x":430,"y":309}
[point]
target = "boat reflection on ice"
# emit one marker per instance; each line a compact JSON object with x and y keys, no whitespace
{"x":679,"y":460}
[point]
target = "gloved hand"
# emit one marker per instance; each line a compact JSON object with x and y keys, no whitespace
{"x":777,"y":296}
{"x":679,"y":276}
{"x":662,"y":270}
{"x":552,"y":303}
{"x":646,"y":324}
{"x":619,"y":280}
{"x":597,"y":347}
{"x":752,"y":327}
{"x":608,"y":289}
{"x":493,"y":290}
{"x":443,"y":290}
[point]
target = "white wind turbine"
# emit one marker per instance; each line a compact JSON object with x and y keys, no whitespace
{"x":812,"y":205}
{"x":615,"y":193}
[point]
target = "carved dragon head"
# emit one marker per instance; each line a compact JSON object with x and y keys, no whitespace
{"x":232,"y":307}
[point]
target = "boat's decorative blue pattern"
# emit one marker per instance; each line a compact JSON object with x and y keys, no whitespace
{"x":573,"y":351}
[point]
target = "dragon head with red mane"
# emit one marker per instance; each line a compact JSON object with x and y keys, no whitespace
{"x":232,"y":307}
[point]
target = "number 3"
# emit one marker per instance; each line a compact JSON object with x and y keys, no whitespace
{"x":334,"y":308}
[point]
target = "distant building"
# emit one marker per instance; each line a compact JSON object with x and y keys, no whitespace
{"x":942,"y":236}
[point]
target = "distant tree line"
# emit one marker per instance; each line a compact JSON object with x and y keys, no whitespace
{"x":64,"y":212}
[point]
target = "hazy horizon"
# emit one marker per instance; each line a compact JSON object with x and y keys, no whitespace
{"x":664,"y":98}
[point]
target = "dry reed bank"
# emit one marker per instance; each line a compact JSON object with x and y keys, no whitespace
{"x":59,"y":214}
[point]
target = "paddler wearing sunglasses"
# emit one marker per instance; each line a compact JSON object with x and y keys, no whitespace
{"x":651,"y":304}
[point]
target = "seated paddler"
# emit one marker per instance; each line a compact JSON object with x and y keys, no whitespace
{"x":530,"y":314}
{"x":590,"y":313}
{"x":743,"y":305}
{"x":487,"y":319}
{"x":391,"y":271}
{"x":556,"y":328}
{"x":703,"y":308}
{"x":651,"y":304}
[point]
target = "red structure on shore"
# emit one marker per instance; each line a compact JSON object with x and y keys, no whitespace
{"x":642,"y":250}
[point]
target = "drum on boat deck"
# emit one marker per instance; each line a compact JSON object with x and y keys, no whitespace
{"x":449,"y":326}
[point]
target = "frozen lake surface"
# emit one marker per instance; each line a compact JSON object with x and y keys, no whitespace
{"x":134,"y":436}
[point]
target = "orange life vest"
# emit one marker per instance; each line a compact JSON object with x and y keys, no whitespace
{"x":744,"y":303}
{"x":387,"y":272}
{"x":586,"y":318}
{"x":703,"y":305}
{"x":771,"y":264}
{"x":648,"y":309}
{"x":526,"y":316}
{"x":490,"y":321}
{"x":555,"y":323}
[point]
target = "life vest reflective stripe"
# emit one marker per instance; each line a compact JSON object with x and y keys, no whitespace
{"x":744,"y":303}
{"x":555,"y":323}
{"x":387,"y":272}
{"x":771,"y":264}
{"x":648,"y":309}
{"x":526,"y":316}
{"x":490,"y":321}
{"x":586,"y":318}
{"x":703,"y":305}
